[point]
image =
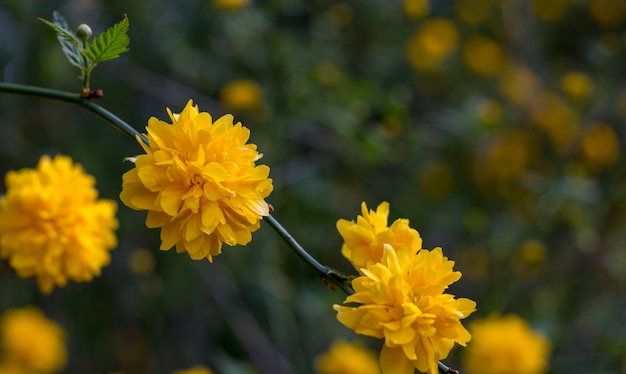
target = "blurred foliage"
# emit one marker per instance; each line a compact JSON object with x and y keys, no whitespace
{"x":496,"y":127}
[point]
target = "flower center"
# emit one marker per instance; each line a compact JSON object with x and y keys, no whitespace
{"x":197,"y":180}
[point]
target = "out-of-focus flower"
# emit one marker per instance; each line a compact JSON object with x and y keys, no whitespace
{"x":347,"y":358}
{"x":199,"y":183}
{"x":340,"y":14}
{"x":550,"y":10}
{"x":328,"y":74}
{"x":519,"y":84}
{"x":556,"y":118}
{"x":198,"y":369}
{"x":474,"y":12}
{"x":31,"y":343}
{"x":242,"y":95}
{"x":608,"y":13}
{"x":415,"y":9}
{"x":364,"y":239}
{"x":489,"y":111}
{"x":483,"y":55}
{"x":433,"y":42}
{"x":436,"y":180}
{"x":230,"y":4}
{"x":505,"y":157}
{"x":505,"y":345}
{"x":576,"y":85}
{"x":52,"y":224}
{"x":141,"y":261}
{"x":401,"y":300}
{"x":600,"y":146}
{"x":532,"y":252}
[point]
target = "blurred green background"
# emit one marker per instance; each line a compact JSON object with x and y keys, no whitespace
{"x":494,"y":126}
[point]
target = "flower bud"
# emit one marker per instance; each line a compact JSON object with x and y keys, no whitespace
{"x":83,"y":32}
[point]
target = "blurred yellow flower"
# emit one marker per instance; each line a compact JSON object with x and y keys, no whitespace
{"x":31,"y":343}
{"x":576,"y":85}
{"x":241,"y":95}
{"x":364,"y":239}
{"x":506,"y":157}
{"x":432,"y":43}
{"x":415,"y":9}
{"x":556,"y":118}
{"x":347,"y":358}
{"x":489,"y":111}
{"x":483,"y":55}
{"x":230,"y":4}
{"x":532,"y":251}
{"x":198,"y":369}
{"x":608,"y":13}
{"x":436,"y":180}
{"x":52,"y":225}
{"x":600,"y":145}
{"x":141,"y":261}
{"x":550,"y":10}
{"x":519,"y":84}
{"x":401,"y":300}
{"x":474,"y":12}
{"x":505,"y":345}
{"x":199,"y":183}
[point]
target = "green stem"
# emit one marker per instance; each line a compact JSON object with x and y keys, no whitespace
{"x":324,"y":271}
{"x":69,"y":97}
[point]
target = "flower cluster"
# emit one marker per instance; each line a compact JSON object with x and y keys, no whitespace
{"x":505,"y":345}
{"x":199,"y":183}
{"x":52,"y":224}
{"x":401,"y":297}
{"x":30,"y":343}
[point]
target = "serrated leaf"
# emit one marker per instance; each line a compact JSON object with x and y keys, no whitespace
{"x":69,"y":43}
{"x":110,"y":44}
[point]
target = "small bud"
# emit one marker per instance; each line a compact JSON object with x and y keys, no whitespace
{"x":83,"y":32}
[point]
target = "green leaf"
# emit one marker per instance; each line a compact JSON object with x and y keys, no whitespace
{"x":69,"y":42}
{"x":110,"y":44}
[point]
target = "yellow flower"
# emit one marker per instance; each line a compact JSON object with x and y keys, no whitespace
{"x":432,"y":44}
{"x":483,"y":55}
{"x":475,"y":12}
{"x":365,"y":238}
{"x":241,"y":95}
{"x":401,"y":300}
{"x":52,"y":225}
{"x":230,"y":4}
{"x":31,"y":342}
{"x":505,"y":345}
{"x":608,"y":13}
{"x":600,"y":146}
{"x":550,"y":10}
{"x":576,"y":85}
{"x":347,"y":358}
{"x":199,"y":183}
{"x":198,"y":369}
{"x":415,"y":9}
{"x":554,"y":116}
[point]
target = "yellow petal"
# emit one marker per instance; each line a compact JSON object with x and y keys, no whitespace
{"x":393,"y":361}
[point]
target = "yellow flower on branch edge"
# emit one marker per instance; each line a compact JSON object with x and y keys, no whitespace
{"x":365,"y":238}
{"x":400,"y":297}
{"x":199,"y":183}
{"x":30,"y":342}
{"x":52,"y":224}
